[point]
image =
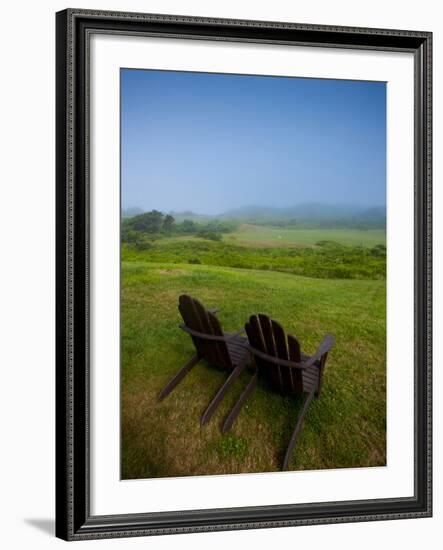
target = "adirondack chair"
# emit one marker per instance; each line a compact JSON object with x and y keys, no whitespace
{"x":279,"y":360}
{"x":219,"y":348}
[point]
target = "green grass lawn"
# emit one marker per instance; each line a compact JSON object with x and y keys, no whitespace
{"x":344,"y":428}
{"x":268,"y":236}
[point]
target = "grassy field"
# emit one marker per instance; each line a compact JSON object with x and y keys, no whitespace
{"x":344,"y":428}
{"x":329,"y":261}
{"x":267,"y":236}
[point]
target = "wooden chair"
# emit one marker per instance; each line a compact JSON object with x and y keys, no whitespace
{"x":279,"y":360}
{"x":219,"y":348}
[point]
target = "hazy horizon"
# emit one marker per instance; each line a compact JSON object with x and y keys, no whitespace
{"x":211,"y":142}
{"x":342,"y":206}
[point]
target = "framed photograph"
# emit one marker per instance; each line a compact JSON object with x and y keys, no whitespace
{"x":243,"y":274}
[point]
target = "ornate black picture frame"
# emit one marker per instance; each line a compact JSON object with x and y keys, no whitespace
{"x":73,"y":517}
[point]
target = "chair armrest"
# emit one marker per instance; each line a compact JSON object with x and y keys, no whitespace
{"x":275,"y":360}
{"x":324,"y":347}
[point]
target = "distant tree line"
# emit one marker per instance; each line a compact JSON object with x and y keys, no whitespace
{"x":313,"y":215}
{"x":142,"y":229}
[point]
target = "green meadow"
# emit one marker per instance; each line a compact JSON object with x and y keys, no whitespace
{"x":267,"y":236}
{"x":312,"y":281}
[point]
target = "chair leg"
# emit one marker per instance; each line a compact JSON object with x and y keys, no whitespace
{"x":178,"y":377}
{"x":241,"y":401}
{"x":301,"y":417}
{"x":221,"y":393}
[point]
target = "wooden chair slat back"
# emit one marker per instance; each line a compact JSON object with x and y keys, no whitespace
{"x":257,"y":340}
{"x":292,"y":380}
{"x":221,"y":346}
{"x":270,"y":347}
{"x":211,"y":354}
{"x":219,"y":354}
{"x":295,"y":355}
{"x":191,"y":320}
{"x":268,"y":336}
{"x":196,"y":317}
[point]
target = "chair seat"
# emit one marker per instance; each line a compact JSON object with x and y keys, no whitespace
{"x":237,"y":349}
{"x":310,"y":378}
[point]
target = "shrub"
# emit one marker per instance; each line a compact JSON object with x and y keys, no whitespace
{"x":140,"y":241}
{"x":210,"y":235}
{"x":378,"y":250}
{"x":143,"y":244}
{"x":329,"y":244}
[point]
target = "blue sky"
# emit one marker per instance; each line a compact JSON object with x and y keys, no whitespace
{"x":212,"y":142}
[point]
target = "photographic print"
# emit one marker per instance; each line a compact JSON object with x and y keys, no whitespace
{"x":253,"y":273}
{"x":244,"y":272}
